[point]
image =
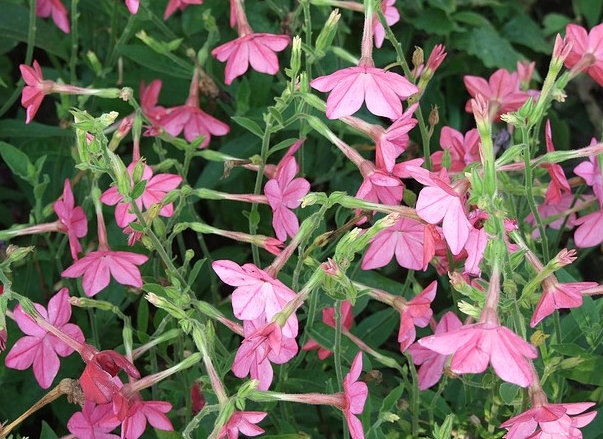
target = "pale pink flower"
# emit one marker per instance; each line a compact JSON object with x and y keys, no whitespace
{"x":328,"y":317}
{"x":149,"y":95}
{"x":97,"y":268}
{"x":442,"y":201}
{"x":350,"y":87}
{"x":46,"y":8}
{"x":462,"y":149}
{"x":556,"y":421}
{"x":72,"y":218}
{"x":590,"y":229}
{"x":404,"y":240}
{"x":156,"y":189}
{"x":378,"y":186}
{"x":559,"y":183}
{"x":263,"y":344}
{"x":431,"y":363}
{"x":39,"y":347}
{"x":173,"y":5}
{"x":284,"y":192}
{"x":194,"y":122}
{"x":416,"y":312}
{"x":355,"y":394}
{"x":36,"y":87}
{"x":140,"y":412}
{"x":258,"y":295}
{"x":94,"y":422}
{"x":132,"y":6}
{"x":255,"y":49}
{"x":392,"y":16}
{"x":586,"y":49}
{"x":474,"y":346}
{"x":393,"y":141}
{"x":243,"y":422}
{"x":556,"y":295}
{"x":546,"y":210}
{"x":501,"y":91}
{"x":476,"y":243}
{"x":590,"y":171}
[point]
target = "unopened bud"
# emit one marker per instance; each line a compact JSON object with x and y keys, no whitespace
{"x":327,"y":34}
{"x":418,"y":57}
{"x":434,"y":116}
{"x":138,"y":171}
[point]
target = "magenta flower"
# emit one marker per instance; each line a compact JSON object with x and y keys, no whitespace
{"x":328,"y":317}
{"x":392,"y":16}
{"x":94,"y":422}
{"x":243,"y":422}
{"x":73,"y":219}
{"x":173,"y":5}
{"x":258,"y":295}
{"x":417,"y":312}
{"x":404,"y":239}
{"x":556,"y":421}
{"x":380,"y":89}
{"x":556,"y":295}
{"x":587,"y":49}
{"x":284,"y":192}
{"x":155,"y":191}
{"x":255,"y":49}
{"x":46,"y":8}
{"x":502,"y":92}
{"x":40,"y":348}
{"x":355,"y":394}
{"x":140,"y":412}
{"x":97,"y":268}
{"x":431,"y":363}
{"x":462,"y":149}
{"x":442,"y":201}
{"x":194,"y":122}
{"x":263,"y":344}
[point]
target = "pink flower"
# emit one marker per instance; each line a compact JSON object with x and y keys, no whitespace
{"x":284,"y":192}
{"x":94,"y":422}
{"x":556,"y":295}
{"x":263,"y":344}
{"x":556,"y":421}
{"x":441,"y":201}
{"x":328,"y":317}
{"x":72,"y":218}
{"x":258,"y":295}
{"x":97,"y":268}
{"x":46,"y":8}
{"x":378,"y":186}
{"x":476,"y":243}
{"x":355,"y":394}
{"x":380,"y":89}
{"x":462,"y":149}
{"x":474,"y":346}
{"x":432,"y":364}
{"x":590,"y":171}
{"x":590,"y":229}
{"x":132,"y":6}
{"x":404,"y":239}
{"x":173,"y":5}
{"x":243,"y":422}
{"x":415,"y":312}
{"x":559,"y":183}
{"x":393,"y":141}
{"x":36,"y":87}
{"x":149,"y":95}
{"x":392,"y":16}
{"x":155,"y":191}
{"x":586,"y":48}
{"x":140,"y":412}
{"x":40,"y":348}
{"x":257,"y":49}
{"x":501,"y":91}
{"x":194,"y":122}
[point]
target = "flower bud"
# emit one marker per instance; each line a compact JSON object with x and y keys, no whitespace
{"x":327,"y":34}
{"x":418,"y":57}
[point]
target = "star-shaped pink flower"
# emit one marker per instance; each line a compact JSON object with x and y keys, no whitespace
{"x":355,"y":394}
{"x":255,"y":49}
{"x":284,"y":192}
{"x":556,"y":421}
{"x":588,"y":48}
{"x":243,"y":422}
{"x":156,"y":189}
{"x":97,"y":268}
{"x":94,"y":421}
{"x":194,"y":122}
{"x":72,"y":218}
{"x":392,"y":16}
{"x":46,"y":8}
{"x":350,"y":87}
{"x":417,"y":312}
{"x":36,"y":87}
{"x":556,"y":295}
{"x":463,"y":149}
{"x":173,"y":5}
{"x":40,"y":348}
{"x":140,"y":412}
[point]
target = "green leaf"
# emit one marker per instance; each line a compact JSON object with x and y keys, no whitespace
{"x":508,"y":392}
{"x":587,"y":371}
{"x":138,"y":189}
{"x":47,"y":432}
{"x":377,"y":327}
{"x":249,"y":125}
{"x":471,"y":18}
{"x":155,"y":288}
{"x":392,"y":398}
{"x":570,"y":350}
{"x":590,"y":10}
{"x":523,"y":30}
{"x":147,"y":57}
{"x":435,"y":21}
{"x":493,"y":50}
{"x":554,"y":23}
{"x":17,"y":161}
{"x":166,"y":434}
{"x":14,"y":25}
